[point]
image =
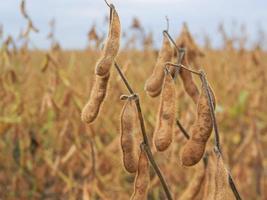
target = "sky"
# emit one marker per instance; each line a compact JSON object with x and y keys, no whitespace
{"x":75,"y":17}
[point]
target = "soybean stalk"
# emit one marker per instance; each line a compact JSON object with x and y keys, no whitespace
{"x":145,"y":144}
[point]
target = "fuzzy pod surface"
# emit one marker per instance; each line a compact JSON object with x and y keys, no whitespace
{"x":163,"y":133}
{"x":112,"y":45}
{"x":130,"y":128}
{"x":154,"y":83}
{"x":98,"y":93}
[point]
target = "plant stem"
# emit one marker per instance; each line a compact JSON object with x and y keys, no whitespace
{"x":172,"y":41}
{"x":145,"y":138}
{"x":184,"y":67}
{"x":182,"y":129}
{"x":233,"y":187}
{"x":180,"y":51}
{"x":212,"y":110}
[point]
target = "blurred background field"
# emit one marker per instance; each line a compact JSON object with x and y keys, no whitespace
{"x":48,"y":153}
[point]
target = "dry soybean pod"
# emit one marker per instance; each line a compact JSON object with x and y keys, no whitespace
{"x":194,"y":148}
{"x":166,"y":114}
{"x":212,"y":104}
{"x":97,"y":96}
{"x":189,"y":85}
{"x":153,"y":84}
{"x":186,"y":40}
{"x":130,"y":128}
{"x":155,"y":93}
{"x":222,"y":187}
{"x":112,"y":44}
{"x":142,"y":177}
{"x":195,"y":184}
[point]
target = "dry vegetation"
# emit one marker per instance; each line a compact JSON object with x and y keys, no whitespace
{"x":47,"y":152}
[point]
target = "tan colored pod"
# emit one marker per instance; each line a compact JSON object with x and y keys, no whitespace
{"x":130,"y":128}
{"x":189,"y":85}
{"x":222,"y":187}
{"x":166,"y":115}
{"x":209,"y":181}
{"x":142,"y":178}
{"x":154,"y":94}
{"x":153,"y":84}
{"x":194,"y":148}
{"x":111,"y":47}
{"x":185,"y":40}
{"x":97,"y":96}
{"x":194,"y":187}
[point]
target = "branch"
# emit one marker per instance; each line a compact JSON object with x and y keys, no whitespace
{"x":180,"y":51}
{"x":186,"y":135}
{"x":212,"y":110}
{"x":182,"y":66}
{"x":233,"y":187}
{"x":145,"y":142}
{"x":165,"y":32}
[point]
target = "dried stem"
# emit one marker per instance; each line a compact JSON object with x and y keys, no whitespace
{"x":184,"y":67}
{"x":212,"y":110}
{"x":186,"y":135}
{"x":124,"y":78}
{"x":30,"y":25}
{"x":145,"y":143}
{"x":165,"y":32}
{"x":109,"y":5}
{"x":180,"y":51}
{"x":167,"y":22}
{"x":233,"y":187}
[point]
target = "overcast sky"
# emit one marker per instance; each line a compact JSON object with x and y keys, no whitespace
{"x":74,"y":17}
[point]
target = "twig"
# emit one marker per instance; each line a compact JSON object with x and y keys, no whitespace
{"x":184,"y":67}
{"x":109,"y":5}
{"x":167,"y":22}
{"x":165,"y":32}
{"x":212,"y":110}
{"x":123,"y":78}
{"x":180,"y":51}
{"x":30,"y":25}
{"x":233,"y":187}
{"x":186,"y":135}
{"x":145,"y":143}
